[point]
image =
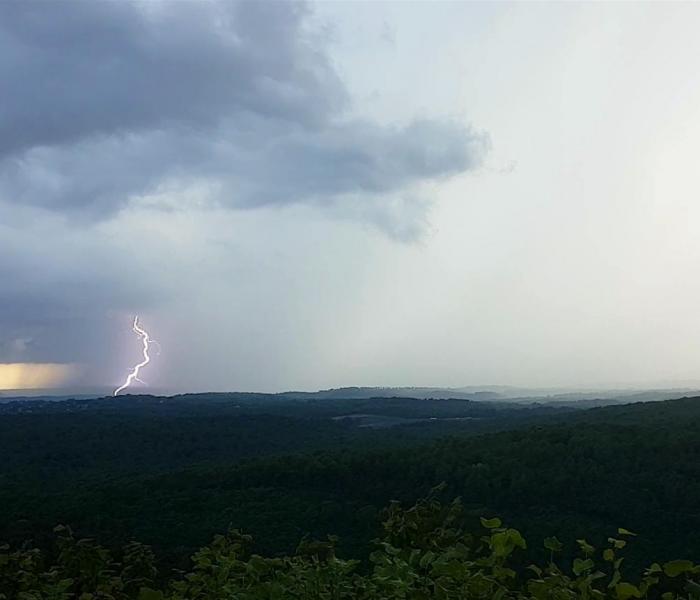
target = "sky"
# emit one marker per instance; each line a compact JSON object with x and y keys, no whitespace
{"x":304,"y":196}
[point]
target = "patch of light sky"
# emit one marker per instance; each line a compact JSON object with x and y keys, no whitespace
{"x":578,"y":266}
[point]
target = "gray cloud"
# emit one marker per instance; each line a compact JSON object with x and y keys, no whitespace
{"x":79,"y":69}
{"x":113,"y":101}
{"x":60,"y":283}
{"x":111,"y":108}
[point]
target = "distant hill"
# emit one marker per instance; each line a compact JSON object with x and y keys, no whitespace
{"x":407,"y":392}
{"x":549,"y":396}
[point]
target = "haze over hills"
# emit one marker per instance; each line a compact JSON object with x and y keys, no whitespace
{"x":503,"y":392}
{"x":489,"y":393}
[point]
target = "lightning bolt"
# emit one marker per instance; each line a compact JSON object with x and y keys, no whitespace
{"x":147,"y":341}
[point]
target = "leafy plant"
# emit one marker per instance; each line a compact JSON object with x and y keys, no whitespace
{"x":425,"y":552}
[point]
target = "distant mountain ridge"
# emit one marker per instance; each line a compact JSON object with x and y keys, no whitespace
{"x":555,"y":396}
{"x":507,"y":394}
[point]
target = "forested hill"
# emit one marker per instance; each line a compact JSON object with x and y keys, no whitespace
{"x":172,"y":475}
{"x":138,"y":434}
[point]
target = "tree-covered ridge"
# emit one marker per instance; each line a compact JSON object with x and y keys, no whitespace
{"x":174,"y":481}
{"x":584,"y":479}
{"x":424,"y":552}
{"x":144,"y":434}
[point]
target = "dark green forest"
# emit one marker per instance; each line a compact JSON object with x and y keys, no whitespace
{"x":172,"y":473}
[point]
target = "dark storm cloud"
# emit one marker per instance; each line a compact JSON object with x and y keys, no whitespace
{"x":58,"y":284}
{"x":80,"y":69}
{"x":111,"y":101}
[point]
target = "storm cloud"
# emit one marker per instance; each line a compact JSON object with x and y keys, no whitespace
{"x":125,"y":125}
{"x":113,"y":104}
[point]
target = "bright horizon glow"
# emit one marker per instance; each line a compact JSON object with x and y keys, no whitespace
{"x":27,"y":376}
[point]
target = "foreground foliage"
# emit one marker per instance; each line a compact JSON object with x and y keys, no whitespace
{"x":424,"y":552}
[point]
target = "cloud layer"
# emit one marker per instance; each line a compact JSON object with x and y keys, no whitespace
{"x":111,"y":108}
{"x":113,"y":102}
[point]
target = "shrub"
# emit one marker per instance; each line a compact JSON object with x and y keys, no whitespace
{"x":425,"y":552}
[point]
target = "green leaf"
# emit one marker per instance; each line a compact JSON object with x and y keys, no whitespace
{"x":427,"y":558}
{"x":581,"y":566}
{"x":627,"y":590}
{"x":494,"y":523}
{"x":675,"y":568}
{"x":586,"y":547}
{"x":553,"y":544}
{"x":609,"y":554}
{"x":623,"y":531}
{"x":615,"y":579}
{"x":504,"y":542}
{"x":516,"y":538}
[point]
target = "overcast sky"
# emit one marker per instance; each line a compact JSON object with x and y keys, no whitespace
{"x":303,"y":196}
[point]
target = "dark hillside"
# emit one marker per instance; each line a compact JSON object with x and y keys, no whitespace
{"x":175,"y":481}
